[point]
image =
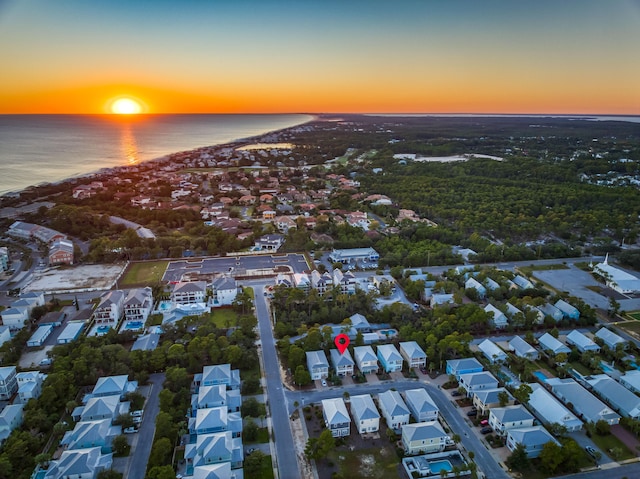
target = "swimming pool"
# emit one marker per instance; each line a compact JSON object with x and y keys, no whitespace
{"x":442,"y":465}
{"x":388,"y":332}
{"x":134,"y":325}
{"x":103,"y":329}
{"x":605,"y":367}
{"x":164,"y":306}
{"x":540,"y":376}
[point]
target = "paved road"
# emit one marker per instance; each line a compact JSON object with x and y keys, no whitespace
{"x":141,"y":443}
{"x":629,"y":471}
{"x":285,"y":459}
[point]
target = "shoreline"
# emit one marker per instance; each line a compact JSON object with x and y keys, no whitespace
{"x":108,"y":169}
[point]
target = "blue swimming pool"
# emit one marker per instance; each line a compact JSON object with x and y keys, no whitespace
{"x":135,"y":325}
{"x":388,"y":332}
{"x":540,"y":376}
{"x":164,"y":306}
{"x":605,"y":367}
{"x":103,"y":329}
{"x":442,"y":465}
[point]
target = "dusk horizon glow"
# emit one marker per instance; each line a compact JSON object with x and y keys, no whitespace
{"x":414,"y":57}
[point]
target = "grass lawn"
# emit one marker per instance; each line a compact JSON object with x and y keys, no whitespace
{"x":145,"y":273}
{"x":266,"y":471}
{"x":606,"y":443}
{"x":634,"y":315}
{"x":224,"y":317}
{"x":581,"y":368}
{"x":631,"y":326}
{"x":543,"y":267}
{"x":374,"y":463}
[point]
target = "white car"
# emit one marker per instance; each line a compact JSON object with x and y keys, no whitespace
{"x":137,"y":413}
{"x":129,"y":430}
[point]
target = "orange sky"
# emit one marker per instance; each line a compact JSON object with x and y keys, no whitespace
{"x":459,"y":56}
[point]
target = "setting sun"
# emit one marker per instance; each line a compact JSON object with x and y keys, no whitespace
{"x":126,"y":106}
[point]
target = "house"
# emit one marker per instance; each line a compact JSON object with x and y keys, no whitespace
{"x":114,"y":386}
{"x":458,"y":367}
{"x":29,"y":385}
{"x":39,"y":336}
{"x":522,"y":349}
{"x":474,"y":284}
{"x":342,"y":363}
{"x":550,"y":310}
{"x":512,"y":311}
{"x":585,"y":404}
{"x":499,"y":319}
{"x":424,"y":437}
{"x":71,"y":332}
{"x":366,"y":360}
{"x":99,"y":433}
{"x":492,"y":352}
{"x":486,"y":399}
{"x":269,"y":242}
{"x":611,"y":339}
{"x":631,"y":380}
{"x":189,"y":292}
{"x":490,"y":284}
{"x":549,"y":410}
{"x":421,"y":405}
{"x":394,"y":409}
{"x":532,"y":438}
{"x":478,"y":381}
{"x":10,"y":418}
{"x":551,"y":345}
{"x":345,"y":281}
{"x":219,"y":374}
{"x":215,"y":448}
{"x":615,"y":278}
{"x":302,"y":281}
{"x":14,"y":317}
{"x":215,"y":419}
{"x":413,"y":354}
{"x":321,"y":281}
{"x":580,"y":341}
{"x":224,"y":290}
{"x":61,"y":252}
{"x":78,"y":464}
{"x":5,"y":334}
{"x":365,"y":415}
{"x":441,"y":299}
{"x":354,"y":255}
{"x":389,"y":358}
{"x":568,"y":311}
{"x":502,"y":419}
{"x":522,"y":282}
{"x":619,"y":397}
{"x":336,"y":417}
{"x":317,"y":364}
{"x":108,"y":407}
{"x":8,"y":382}
{"x":110,"y":308}
{"x":138,"y":304}
{"x":210,"y":396}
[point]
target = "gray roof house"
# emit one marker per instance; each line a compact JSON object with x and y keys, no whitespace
{"x":589,"y":407}
{"x":549,"y":410}
{"x":580,"y":341}
{"x":215,"y":448}
{"x":499,"y":319}
{"x":366,"y":359}
{"x":550,"y":310}
{"x":114,"y":385}
{"x":523,"y":349}
{"x":365,"y":414}
{"x":389,"y":357}
{"x":532,"y":438}
{"x":492,"y":352}
{"x":394,"y":410}
{"x":478,"y":381}
{"x":336,"y":417}
{"x":631,"y":380}
{"x":421,"y":405}
{"x":413,"y":354}
{"x":99,"y":433}
{"x":522,"y":282}
{"x":317,"y":364}
{"x":342,"y":363}
{"x":568,"y":311}
{"x":611,"y":339}
{"x":552,"y":345}
{"x":622,"y":400}
{"x":501,"y":419}
{"x":486,"y":399}
{"x":424,"y":437}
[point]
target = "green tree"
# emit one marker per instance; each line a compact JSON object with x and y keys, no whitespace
{"x":522,"y":393}
{"x":320,"y":447}
{"x":161,"y":472}
{"x":250,"y":430}
{"x":503,"y":397}
{"x":252,"y":407}
{"x":518,"y":460}
{"x":161,"y":452}
{"x":551,"y":457}
{"x":302,"y":376}
{"x":120,"y":445}
{"x":109,"y":474}
{"x":253,"y":464}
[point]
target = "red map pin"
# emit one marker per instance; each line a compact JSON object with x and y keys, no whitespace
{"x":342,"y":342}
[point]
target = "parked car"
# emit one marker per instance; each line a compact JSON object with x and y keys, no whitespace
{"x":137,"y":413}
{"x":455,"y":392}
{"x":472,"y":413}
{"x":486,"y":430}
{"x":484,"y":422}
{"x":129,"y":430}
{"x":592,"y":452}
{"x":324,"y":383}
{"x":250,"y":450}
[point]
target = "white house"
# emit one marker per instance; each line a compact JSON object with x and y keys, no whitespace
{"x":317,"y":365}
{"x":623,"y":400}
{"x":501,"y":419}
{"x":549,"y":410}
{"x":189,"y":292}
{"x":110,"y":308}
{"x":15,"y":318}
{"x":8,"y":382}
{"x":523,"y":349}
{"x":413,"y":354}
{"x":486,"y":399}
{"x":79,"y":464}
{"x":551,"y":345}
{"x":580,"y":341}
{"x":499,"y":319}
{"x":611,"y":339}
{"x":336,"y":417}
{"x":10,"y":418}
{"x":424,"y":437}
{"x":478,"y":381}
{"x":458,"y":367}
{"x":631,"y":380}
{"x":224,"y":290}
{"x":365,"y":414}
{"x":394,"y":410}
{"x":492,"y":352}
{"x":29,"y":385}
{"x":366,"y":360}
{"x":532,"y":438}
{"x":585,"y":404}
{"x":421,"y":405}
{"x":342,"y":363}
{"x":138,"y":304}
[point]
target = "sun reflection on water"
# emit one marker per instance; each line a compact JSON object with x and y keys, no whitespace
{"x":128,"y":145}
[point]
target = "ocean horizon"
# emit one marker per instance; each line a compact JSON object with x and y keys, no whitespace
{"x":36,"y":149}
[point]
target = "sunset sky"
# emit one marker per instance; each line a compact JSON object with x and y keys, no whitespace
{"x":264,"y":56}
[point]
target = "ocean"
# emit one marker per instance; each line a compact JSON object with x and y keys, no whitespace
{"x":49,"y":148}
